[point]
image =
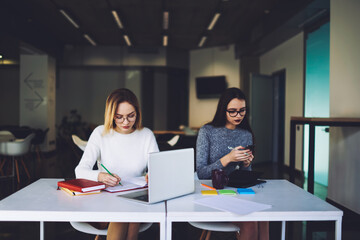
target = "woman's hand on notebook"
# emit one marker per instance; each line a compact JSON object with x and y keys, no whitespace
{"x":109,"y":180}
{"x":147,"y":178}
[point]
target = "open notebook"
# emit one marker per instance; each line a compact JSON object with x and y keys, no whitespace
{"x":129,"y":184}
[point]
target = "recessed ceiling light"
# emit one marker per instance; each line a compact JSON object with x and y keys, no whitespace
{"x":165,"y":20}
{"x":117,"y":19}
{"x":165,"y":40}
{"x":213,"y":21}
{"x":90,"y":39}
{"x":0,"y":56}
{"x":69,"y":18}
{"x":127,"y":40}
{"x":202,"y":41}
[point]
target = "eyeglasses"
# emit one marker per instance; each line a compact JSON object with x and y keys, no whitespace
{"x":234,"y":113}
{"x":130,"y":118}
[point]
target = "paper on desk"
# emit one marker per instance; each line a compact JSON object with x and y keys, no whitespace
{"x":232,"y":204}
{"x":128,"y":184}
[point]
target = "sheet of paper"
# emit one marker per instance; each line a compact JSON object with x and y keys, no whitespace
{"x":232,"y":204}
{"x":128,"y":184}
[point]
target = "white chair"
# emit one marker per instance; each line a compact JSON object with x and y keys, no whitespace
{"x":89,"y":229}
{"x":209,"y":227}
{"x":6,"y":136}
{"x":82,"y":145}
{"x":173,"y":140}
{"x":79,"y":142}
{"x":84,"y":226}
{"x":16,"y":150}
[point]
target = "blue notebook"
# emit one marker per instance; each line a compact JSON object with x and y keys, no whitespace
{"x":245,"y":191}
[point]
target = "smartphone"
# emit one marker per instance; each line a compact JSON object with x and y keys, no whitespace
{"x":250,"y":147}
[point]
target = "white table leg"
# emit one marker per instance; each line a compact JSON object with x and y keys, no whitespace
{"x":283,"y":227}
{"x":163,"y":230}
{"x":338,"y":229}
{"x":168,"y":230}
{"x":41,"y":230}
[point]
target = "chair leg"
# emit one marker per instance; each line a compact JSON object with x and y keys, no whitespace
{"x":39,"y":160}
{"x":98,"y":237}
{"x":26,"y":170}
{"x":3,"y":161}
{"x":17,"y":170}
{"x":208,"y":235}
{"x":203,"y":234}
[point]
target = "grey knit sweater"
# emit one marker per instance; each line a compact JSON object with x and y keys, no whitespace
{"x":213,"y":143}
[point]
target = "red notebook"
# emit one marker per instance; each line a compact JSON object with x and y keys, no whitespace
{"x":81,"y":185}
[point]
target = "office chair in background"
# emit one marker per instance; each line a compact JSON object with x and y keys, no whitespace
{"x":17,"y":150}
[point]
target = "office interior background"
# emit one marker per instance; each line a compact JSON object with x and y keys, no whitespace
{"x":52,"y":72}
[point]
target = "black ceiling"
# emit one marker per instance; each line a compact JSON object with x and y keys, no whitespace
{"x":39,"y":22}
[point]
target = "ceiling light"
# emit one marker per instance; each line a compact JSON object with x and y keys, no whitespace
{"x":0,"y":56}
{"x":202,"y":41}
{"x":165,"y":40}
{"x":165,"y":20}
{"x":90,"y":40}
{"x":117,"y":19}
{"x":69,"y":18}
{"x":127,"y":40}
{"x":213,"y":21}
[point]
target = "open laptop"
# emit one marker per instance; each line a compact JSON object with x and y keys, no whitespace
{"x":171,"y":174}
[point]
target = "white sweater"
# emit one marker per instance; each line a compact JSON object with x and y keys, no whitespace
{"x":124,"y":154}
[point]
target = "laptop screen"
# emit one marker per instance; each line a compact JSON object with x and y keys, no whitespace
{"x":171,"y":174}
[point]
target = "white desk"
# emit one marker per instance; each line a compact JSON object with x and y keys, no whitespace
{"x":289,"y":203}
{"x":41,"y":202}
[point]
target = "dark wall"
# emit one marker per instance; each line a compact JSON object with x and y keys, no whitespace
{"x":178,"y":98}
{"x":9,"y":95}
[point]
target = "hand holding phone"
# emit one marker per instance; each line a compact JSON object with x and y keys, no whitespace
{"x":250,"y":147}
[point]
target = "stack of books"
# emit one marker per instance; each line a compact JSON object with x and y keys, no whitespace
{"x":80,"y":186}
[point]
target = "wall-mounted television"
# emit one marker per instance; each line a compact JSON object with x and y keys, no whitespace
{"x":210,"y":87}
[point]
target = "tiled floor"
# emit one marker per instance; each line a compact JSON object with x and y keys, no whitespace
{"x":61,"y":165}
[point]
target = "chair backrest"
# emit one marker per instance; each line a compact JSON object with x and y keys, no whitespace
{"x":6,"y":133}
{"x":82,"y":144}
{"x":79,"y":142}
{"x":6,"y":136}
{"x":173,"y":140}
{"x":17,"y":148}
{"x":39,"y":136}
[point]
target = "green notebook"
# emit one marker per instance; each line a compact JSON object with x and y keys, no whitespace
{"x":227,"y":192}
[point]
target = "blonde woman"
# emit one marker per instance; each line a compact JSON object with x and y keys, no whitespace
{"x":124,"y":146}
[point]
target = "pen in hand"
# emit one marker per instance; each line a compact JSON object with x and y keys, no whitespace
{"x":108,"y":171}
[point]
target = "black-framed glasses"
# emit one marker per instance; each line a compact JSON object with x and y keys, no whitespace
{"x":130,"y":118}
{"x":234,"y":113}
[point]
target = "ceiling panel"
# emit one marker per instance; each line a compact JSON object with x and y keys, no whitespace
{"x":142,"y":20}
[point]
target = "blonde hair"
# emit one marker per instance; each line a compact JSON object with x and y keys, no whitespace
{"x":112,"y":102}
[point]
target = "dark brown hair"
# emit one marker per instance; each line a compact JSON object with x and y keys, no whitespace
{"x":219,"y":119}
